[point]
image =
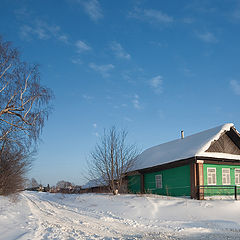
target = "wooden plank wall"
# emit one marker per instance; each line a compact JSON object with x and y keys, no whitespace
{"x":224,"y":145}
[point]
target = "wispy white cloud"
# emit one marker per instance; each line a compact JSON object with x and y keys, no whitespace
{"x":156,"y":84}
{"x":33,"y":27}
{"x":133,"y":75}
{"x":82,"y":46}
{"x":151,"y":16}
{"x":93,"y":9}
{"x":97,"y":134}
{"x":76,"y":61}
{"x":42,"y":30}
{"x":235,"y":85}
{"x":128,"y":119}
{"x":95,"y":130}
{"x":205,"y":7}
{"x":22,"y":12}
{"x":236,"y":13}
{"x":136,"y":102}
{"x":39,"y":32}
{"x":26,"y":32}
{"x":119,"y":51}
{"x":123,"y":105}
{"x":158,"y":44}
{"x":157,"y":16}
{"x":207,"y":37}
{"x":87,"y":97}
{"x":63,"y":38}
{"x":188,"y":72}
{"x":104,"y":70}
{"x":188,"y":20}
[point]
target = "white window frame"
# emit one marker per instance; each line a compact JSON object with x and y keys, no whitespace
{"x":210,"y":176}
{"x":226,"y":176}
{"x":158,"y":181}
{"x":237,"y":176}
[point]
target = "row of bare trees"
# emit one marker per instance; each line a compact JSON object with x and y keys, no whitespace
{"x":24,"y":107}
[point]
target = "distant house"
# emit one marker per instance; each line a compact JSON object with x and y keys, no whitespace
{"x":179,"y":167}
{"x":96,"y":186}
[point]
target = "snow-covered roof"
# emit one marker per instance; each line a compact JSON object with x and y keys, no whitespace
{"x":190,"y":146}
{"x":94,"y":183}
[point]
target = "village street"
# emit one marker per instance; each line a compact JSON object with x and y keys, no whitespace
{"x":90,"y":216}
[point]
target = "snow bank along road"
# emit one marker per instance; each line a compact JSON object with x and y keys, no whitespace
{"x":100,"y":216}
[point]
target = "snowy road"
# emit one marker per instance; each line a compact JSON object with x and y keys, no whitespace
{"x":56,"y":221}
{"x":89,"y":216}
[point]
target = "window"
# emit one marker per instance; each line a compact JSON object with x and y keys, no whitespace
{"x":226,"y":180}
{"x":237,"y":176}
{"x":158,"y":180}
{"x":211,"y":176}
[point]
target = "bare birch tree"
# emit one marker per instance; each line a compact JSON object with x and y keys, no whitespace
{"x":112,"y":158}
{"x":24,"y":102}
{"x":24,"y":107}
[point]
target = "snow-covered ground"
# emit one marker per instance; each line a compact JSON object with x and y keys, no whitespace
{"x":100,"y":216}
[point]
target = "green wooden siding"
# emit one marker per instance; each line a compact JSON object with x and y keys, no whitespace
{"x":134,"y":184}
{"x":175,"y":182}
{"x":211,"y":191}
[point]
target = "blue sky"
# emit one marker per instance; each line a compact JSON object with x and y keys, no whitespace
{"x":152,"y":67}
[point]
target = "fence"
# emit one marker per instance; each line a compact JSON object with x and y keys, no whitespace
{"x":218,"y":190}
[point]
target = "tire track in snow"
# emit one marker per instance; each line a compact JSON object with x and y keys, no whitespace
{"x":58,"y":223}
{"x":55,"y":221}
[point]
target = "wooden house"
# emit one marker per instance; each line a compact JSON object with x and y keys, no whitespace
{"x":95,"y":186}
{"x":184,"y":166}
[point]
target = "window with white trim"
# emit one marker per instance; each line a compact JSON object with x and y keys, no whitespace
{"x":211,"y":176}
{"x":237,"y":176}
{"x":158,"y":181}
{"x":226,"y":180}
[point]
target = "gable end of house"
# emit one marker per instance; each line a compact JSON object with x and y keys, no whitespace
{"x":228,"y":142}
